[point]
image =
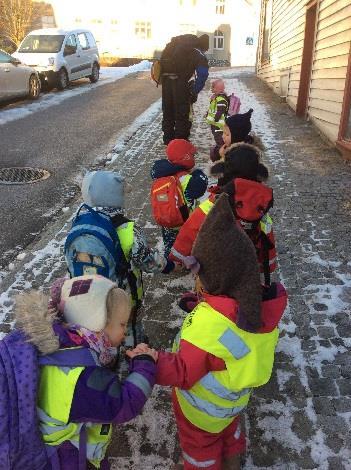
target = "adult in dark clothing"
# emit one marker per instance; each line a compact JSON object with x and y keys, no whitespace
{"x":181,"y":59}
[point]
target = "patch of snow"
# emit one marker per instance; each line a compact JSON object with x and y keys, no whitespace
{"x":107,"y":75}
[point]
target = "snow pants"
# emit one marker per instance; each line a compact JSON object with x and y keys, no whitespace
{"x":176,"y":123}
{"x":202,"y":449}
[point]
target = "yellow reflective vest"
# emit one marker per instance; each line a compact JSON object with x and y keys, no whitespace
{"x":125,"y":234}
{"x":215,"y":400}
{"x":55,"y":396}
{"x":218,"y":101}
{"x":184,"y":181}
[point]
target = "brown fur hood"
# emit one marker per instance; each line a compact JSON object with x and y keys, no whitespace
{"x":35,"y":319}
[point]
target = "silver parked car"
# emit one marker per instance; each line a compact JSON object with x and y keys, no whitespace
{"x":17,"y":79}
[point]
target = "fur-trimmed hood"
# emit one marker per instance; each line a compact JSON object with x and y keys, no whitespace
{"x":255,"y":145}
{"x":35,"y":319}
{"x":241,"y":160}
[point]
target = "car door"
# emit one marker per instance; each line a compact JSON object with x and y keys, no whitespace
{"x":86,"y":54}
{"x":13,"y":79}
{"x":72,"y":57}
{"x":4,"y":58}
{"x":18,"y":79}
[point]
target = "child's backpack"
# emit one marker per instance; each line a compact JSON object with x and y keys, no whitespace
{"x":234,"y":105}
{"x":93,"y":234}
{"x":21,"y":443}
{"x":168,"y":203}
{"x":156,"y":72}
{"x":251,"y":201}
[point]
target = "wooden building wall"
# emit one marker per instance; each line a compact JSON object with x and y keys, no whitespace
{"x":330,"y":57}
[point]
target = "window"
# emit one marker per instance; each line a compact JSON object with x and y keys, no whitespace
{"x":187,"y":29}
{"x":143,"y":29}
{"x":70,"y":46}
{"x":71,"y":41}
{"x":114,"y":21}
{"x":42,"y":43}
{"x":4,"y":58}
{"x":218,"y":42}
{"x":78,"y":20}
{"x":83,"y":41}
{"x":266,"y":36}
{"x":220,"y":4}
{"x":249,"y":41}
{"x":48,"y":20}
{"x":96,"y":21}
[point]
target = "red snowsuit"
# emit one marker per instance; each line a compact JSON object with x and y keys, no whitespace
{"x":186,"y":367}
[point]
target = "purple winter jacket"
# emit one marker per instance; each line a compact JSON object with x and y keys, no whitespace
{"x":100,"y":397}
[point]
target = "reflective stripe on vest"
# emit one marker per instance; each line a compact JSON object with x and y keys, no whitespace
{"x":210,"y":119}
{"x":184,"y":181}
{"x":126,"y":237}
{"x":198,"y":463}
{"x":206,"y":206}
{"x":266,"y":224}
{"x":214,"y":401}
{"x":55,"y":396}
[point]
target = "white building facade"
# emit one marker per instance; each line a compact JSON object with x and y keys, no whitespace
{"x":141,"y":28}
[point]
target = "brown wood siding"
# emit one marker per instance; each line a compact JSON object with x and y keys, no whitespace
{"x":330,"y":65}
{"x":330,"y":59}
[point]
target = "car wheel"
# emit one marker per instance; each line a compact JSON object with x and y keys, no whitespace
{"x":34,"y":87}
{"x":62,"y":79}
{"x":95,"y":73}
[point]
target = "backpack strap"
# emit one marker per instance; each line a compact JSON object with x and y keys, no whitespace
{"x":266,"y":245}
{"x":70,"y":357}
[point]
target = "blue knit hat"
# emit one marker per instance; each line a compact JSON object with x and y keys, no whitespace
{"x":103,"y":189}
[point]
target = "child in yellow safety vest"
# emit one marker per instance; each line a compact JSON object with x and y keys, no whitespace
{"x":217,"y":114}
{"x":225,"y":347}
{"x":105,"y":191}
{"x":79,"y":397}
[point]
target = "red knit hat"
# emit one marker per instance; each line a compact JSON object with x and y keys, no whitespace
{"x":181,"y":152}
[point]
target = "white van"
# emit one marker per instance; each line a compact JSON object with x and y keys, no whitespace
{"x":60,"y":56}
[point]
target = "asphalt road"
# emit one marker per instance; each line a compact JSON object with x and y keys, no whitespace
{"x":62,"y":139}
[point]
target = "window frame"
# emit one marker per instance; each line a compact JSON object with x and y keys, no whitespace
{"x":220,"y":7}
{"x":148,"y":29}
{"x":216,"y":38}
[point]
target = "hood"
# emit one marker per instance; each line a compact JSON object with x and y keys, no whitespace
{"x":35,"y":59}
{"x":241,"y":160}
{"x":35,"y":319}
{"x":161,"y":168}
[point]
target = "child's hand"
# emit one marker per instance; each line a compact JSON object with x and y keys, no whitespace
{"x":141,"y":349}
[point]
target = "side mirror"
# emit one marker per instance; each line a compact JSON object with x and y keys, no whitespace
{"x":15,"y":61}
{"x":69,"y":50}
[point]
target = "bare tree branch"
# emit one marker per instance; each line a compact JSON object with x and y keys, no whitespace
{"x":15,"y":19}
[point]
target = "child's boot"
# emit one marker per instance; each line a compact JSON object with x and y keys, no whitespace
{"x":232,"y":463}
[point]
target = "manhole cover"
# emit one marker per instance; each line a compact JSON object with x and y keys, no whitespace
{"x":22,"y":175}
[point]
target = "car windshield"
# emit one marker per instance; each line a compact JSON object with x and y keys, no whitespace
{"x":41,"y":43}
